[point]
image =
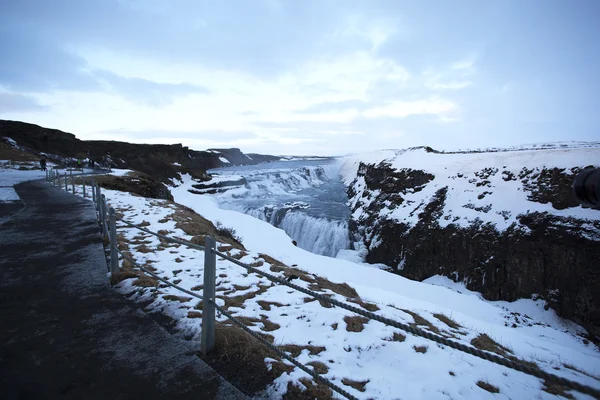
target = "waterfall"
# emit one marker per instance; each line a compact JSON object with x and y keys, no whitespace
{"x":306,"y":201}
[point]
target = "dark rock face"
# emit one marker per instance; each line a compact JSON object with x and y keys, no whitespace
{"x":554,"y":257}
{"x":137,"y":183}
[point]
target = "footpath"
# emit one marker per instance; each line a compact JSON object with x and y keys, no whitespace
{"x":65,"y":333}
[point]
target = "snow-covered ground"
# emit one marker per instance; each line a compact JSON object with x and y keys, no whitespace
{"x":481,"y":186}
{"x":11,"y":177}
{"x":372,"y":356}
{"x":384,"y":367}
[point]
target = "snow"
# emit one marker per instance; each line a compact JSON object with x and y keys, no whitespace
{"x":11,"y":177}
{"x":475,"y":182}
{"x":224,"y":160}
{"x":10,"y":141}
{"x":393,"y":369}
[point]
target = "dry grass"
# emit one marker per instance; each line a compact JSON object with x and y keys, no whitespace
{"x":266,"y":305}
{"x":334,"y":326}
{"x":120,"y":276}
{"x":193,"y":224}
{"x":268,"y":326}
{"x":197,"y":288}
{"x":271,"y":260}
{"x":311,"y":390}
{"x":145,"y":281}
{"x":420,"y":349}
{"x":420,"y":321}
{"x":297,"y":349}
{"x":194,"y":314}
{"x":397,"y":337}
{"x":358,"y":385}
{"x":557,"y":390}
{"x":355,"y":323}
{"x":142,"y":248}
{"x":319,"y":367}
{"x":574,"y":368}
{"x":488,"y":386}
{"x":238,"y":301}
{"x":448,"y":321}
{"x":181,"y":299}
{"x":343,"y":289}
{"x":484,"y":342}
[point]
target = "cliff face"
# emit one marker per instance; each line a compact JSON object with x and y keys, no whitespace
{"x":162,"y":162}
{"x":505,"y":224}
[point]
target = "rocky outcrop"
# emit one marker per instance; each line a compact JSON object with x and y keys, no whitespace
{"x":552,"y":256}
{"x":137,"y":183}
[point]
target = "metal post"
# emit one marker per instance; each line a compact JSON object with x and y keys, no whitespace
{"x":66,"y":183}
{"x":83,"y":184}
{"x":208,"y":309}
{"x":72,"y":182}
{"x":114,"y":258}
{"x":94,"y":192}
{"x":104,"y":215}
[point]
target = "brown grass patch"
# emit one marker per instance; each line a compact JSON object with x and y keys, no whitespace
{"x":557,"y":390}
{"x":193,"y":224}
{"x":197,"y":287}
{"x":420,"y":349}
{"x":311,"y":390}
{"x":319,"y":367}
{"x":178,"y":260}
{"x":144,"y":223}
{"x":358,"y":385}
{"x":355,"y":323}
{"x":297,"y":349}
{"x":142,"y":248}
{"x":420,"y":321}
{"x":238,"y":301}
{"x":163,"y":220}
{"x":484,"y":342}
{"x":194,"y":314}
{"x":274,"y":262}
{"x":488,"y":386}
{"x":334,"y":326}
{"x":120,"y":276}
{"x":268,"y":326}
{"x":448,"y":321}
{"x":181,"y":299}
{"x":574,"y":368}
{"x":145,"y":281}
{"x":266,"y":305}
{"x":396,"y":337}
{"x":367,"y":306}
{"x":343,"y":289}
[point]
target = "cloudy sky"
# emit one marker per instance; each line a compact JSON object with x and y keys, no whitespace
{"x":323,"y":77}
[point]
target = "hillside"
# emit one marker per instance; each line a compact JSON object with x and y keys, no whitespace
{"x":503,"y":221}
{"x":162,"y":162}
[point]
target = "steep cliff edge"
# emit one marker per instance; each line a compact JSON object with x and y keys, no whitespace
{"x":504,"y":223}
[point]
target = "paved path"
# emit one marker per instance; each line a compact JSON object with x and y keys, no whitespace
{"x":64,"y":332}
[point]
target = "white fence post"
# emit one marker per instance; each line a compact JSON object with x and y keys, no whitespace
{"x":208,"y":309}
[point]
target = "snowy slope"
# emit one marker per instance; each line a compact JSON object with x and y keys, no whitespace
{"x":390,"y":369}
{"x":475,"y":181}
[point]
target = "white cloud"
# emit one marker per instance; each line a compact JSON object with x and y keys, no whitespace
{"x":401,"y":109}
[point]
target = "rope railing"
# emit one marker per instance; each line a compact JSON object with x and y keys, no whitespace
{"x":209,"y":305}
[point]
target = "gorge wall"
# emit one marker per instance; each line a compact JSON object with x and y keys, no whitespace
{"x":505,"y":224}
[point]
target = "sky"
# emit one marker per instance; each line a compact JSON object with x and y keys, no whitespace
{"x":305,"y":77}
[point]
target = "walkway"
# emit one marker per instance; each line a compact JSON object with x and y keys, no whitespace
{"x":65,"y":332}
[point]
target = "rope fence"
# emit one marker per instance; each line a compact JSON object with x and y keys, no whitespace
{"x":107,"y":219}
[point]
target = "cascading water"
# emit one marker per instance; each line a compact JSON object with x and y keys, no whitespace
{"x":304,"y":198}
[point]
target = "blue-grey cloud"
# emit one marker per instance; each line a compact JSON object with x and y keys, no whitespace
{"x":209,"y":135}
{"x":18,"y":102}
{"x":147,"y":92}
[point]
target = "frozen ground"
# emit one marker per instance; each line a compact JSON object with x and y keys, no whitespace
{"x":368,"y":359}
{"x":366,"y":356}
